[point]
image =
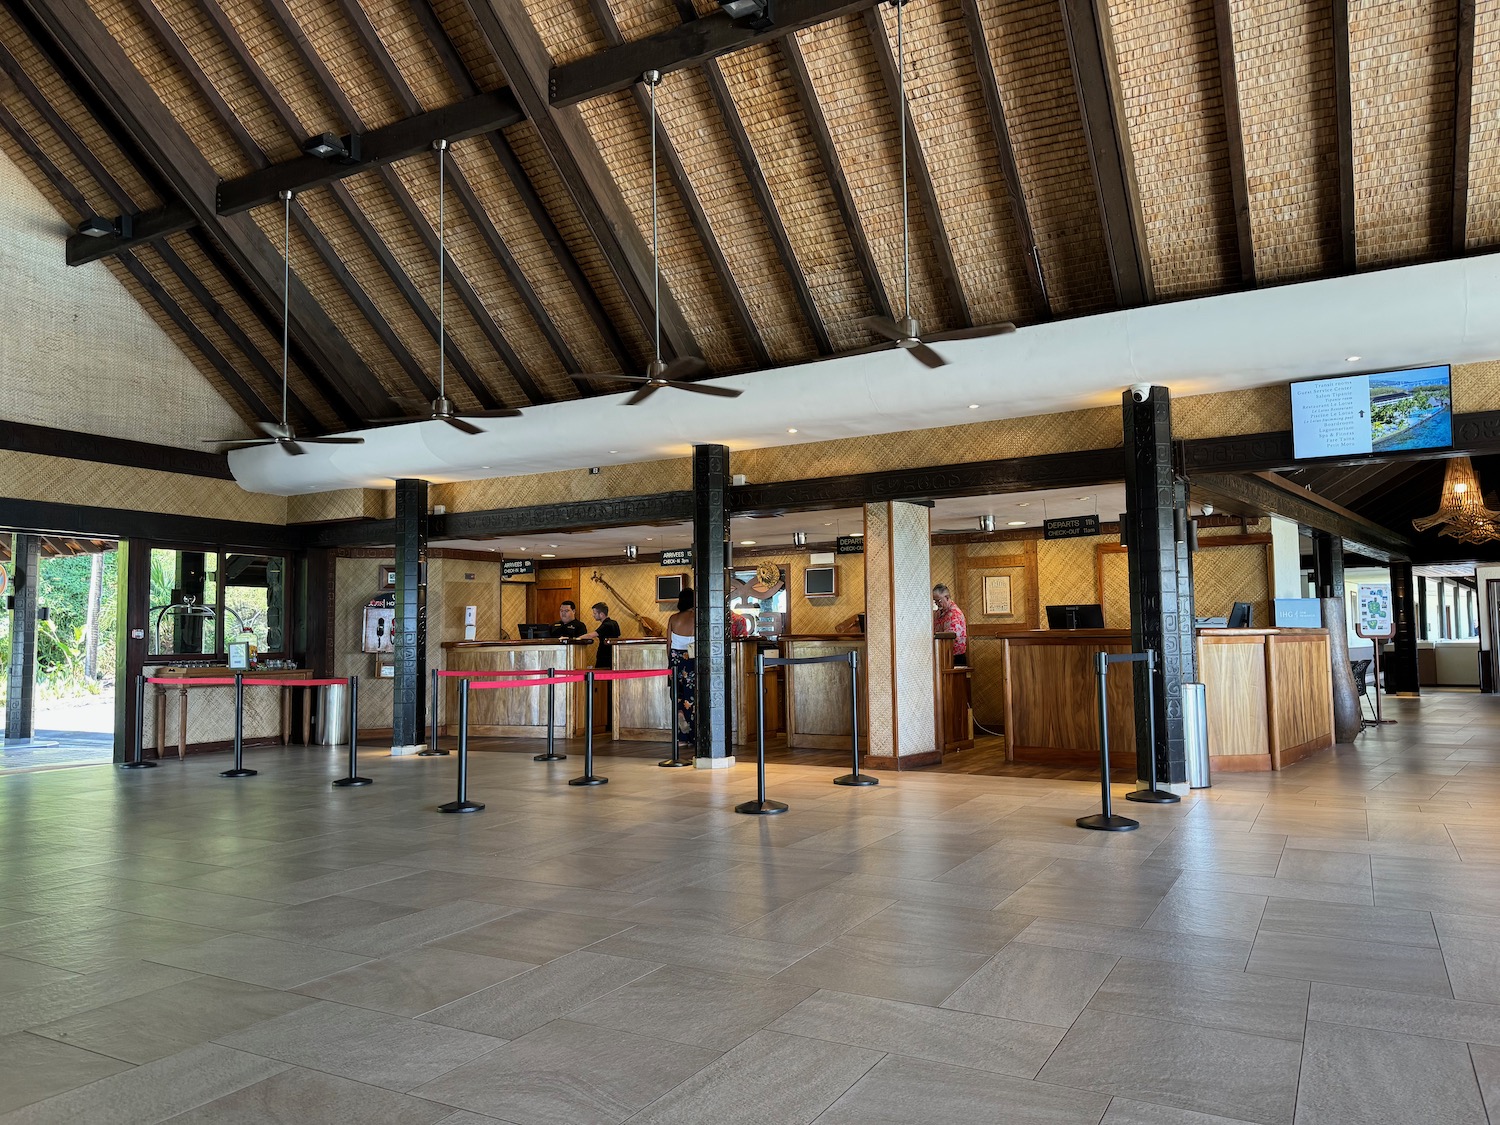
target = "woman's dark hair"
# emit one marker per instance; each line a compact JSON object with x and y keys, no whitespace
{"x":685,"y":599}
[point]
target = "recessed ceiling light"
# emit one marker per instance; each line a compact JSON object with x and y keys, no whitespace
{"x":484,"y":466}
{"x":973,"y":406}
{"x":747,"y":542}
{"x":791,"y":429}
{"x":1352,"y":358}
{"x":1017,"y":523}
{"x":523,"y":548}
{"x":648,"y":539}
{"x":828,"y":524}
{"x":552,"y":544}
{"x":1024,"y":504}
{"x":547,"y":556}
{"x":614,"y":451}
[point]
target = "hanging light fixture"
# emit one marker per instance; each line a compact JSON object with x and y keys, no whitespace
{"x":1461,"y":511}
{"x":987,"y":523}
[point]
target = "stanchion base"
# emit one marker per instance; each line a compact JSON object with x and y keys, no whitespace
{"x":350,"y":782}
{"x":856,"y":779}
{"x":761,"y":808}
{"x":589,"y":779}
{"x":432,"y":753}
{"x":238,"y":773}
{"x":550,"y":758}
{"x":461,"y":806}
{"x":137,"y":765}
{"x":1152,"y":797}
{"x":670,"y":764}
{"x":1101,"y":823}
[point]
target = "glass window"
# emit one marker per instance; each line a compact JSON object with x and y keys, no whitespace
{"x":184,"y":603}
{"x":255,"y":600}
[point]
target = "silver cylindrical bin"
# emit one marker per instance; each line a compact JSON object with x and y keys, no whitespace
{"x":333,"y":715}
{"x":1195,"y":734}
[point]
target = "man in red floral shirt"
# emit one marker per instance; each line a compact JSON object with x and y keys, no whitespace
{"x":950,"y":619}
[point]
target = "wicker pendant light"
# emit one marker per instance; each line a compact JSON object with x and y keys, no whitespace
{"x":1461,"y":511}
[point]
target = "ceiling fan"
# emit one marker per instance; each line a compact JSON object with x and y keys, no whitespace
{"x":280,"y":433}
{"x":442,"y":408}
{"x":660,"y":375}
{"x":906,"y":330}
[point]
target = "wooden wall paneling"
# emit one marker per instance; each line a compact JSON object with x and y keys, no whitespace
{"x":970,"y":598}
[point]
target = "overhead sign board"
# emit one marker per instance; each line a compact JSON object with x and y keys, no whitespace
{"x":1070,"y":527}
{"x":511,"y":568}
{"x":680,"y":556}
{"x":849,"y":545}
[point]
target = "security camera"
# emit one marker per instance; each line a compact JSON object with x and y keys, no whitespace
{"x":1140,"y":391}
{"x":1208,"y":509}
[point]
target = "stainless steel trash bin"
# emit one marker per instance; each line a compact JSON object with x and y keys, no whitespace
{"x":1195,"y":734}
{"x":332,"y":715}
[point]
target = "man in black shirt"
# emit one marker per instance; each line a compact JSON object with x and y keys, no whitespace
{"x":568,"y":627}
{"x":605,"y":629}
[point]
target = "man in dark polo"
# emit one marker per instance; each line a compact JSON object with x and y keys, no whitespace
{"x":568,"y":627}
{"x":605,"y":630}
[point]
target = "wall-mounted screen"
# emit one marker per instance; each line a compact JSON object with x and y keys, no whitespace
{"x":1382,"y":413}
{"x":820,"y":582}
{"x":668,"y":586}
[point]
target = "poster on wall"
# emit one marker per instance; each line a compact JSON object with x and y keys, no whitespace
{"x":997,"y":595}
{"x":380,"y":618}
{"x":1373,"y":611}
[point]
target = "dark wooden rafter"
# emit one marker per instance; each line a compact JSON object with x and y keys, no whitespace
{"x":1234,"y":138}
{"x":330,"y":89}
{"x":885,"y":61}
{"x":513,"y":42}
{"x":1344,"y":112}
{"x":744,"y":151}
{"x":103,"y":67}
{"x":1463,"y":123}
{"x":459,"y":74}
{"x":690,"y":44}
{"x":1271,"y":494}
{"x":833,"y":168}
{"x":682,"y":184}
{"x":1091,"y":53}
{"x":143,"y":276}
{"x":984,"y":69}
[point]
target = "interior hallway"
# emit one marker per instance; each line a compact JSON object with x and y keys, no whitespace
{"x":1318,"y":946}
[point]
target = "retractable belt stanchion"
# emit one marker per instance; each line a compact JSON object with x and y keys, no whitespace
{"x":139,"y":761}
{"x":353,"y":779}
{"x":855,"y":778}
{"x":462,"y":804}
{"x":552,"y":755}
{"x":675,"y":761}
{"x":1105,"y":820}
{"x":588,"y":777}
{"x":760,"y":806}
{"x":433,"y":749}
{"x":1151,"y":795}
{"x":239,"y":731}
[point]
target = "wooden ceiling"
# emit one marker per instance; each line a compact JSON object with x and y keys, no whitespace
{"x":1070,"y":157}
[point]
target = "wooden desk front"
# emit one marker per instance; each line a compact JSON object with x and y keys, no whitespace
{"x":951,"y":694}
{"x":213,"y":714}
{"x":1270,"y":696}
{"x":818,"y":705}
{"x":1051,"y":697}
{"x":516,"y":712}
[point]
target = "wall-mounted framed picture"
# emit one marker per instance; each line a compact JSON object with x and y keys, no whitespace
{"x":387,"y":576}
{"x":997,"y":599}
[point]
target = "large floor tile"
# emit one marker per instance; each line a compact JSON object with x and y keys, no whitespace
{"x":1034,"y":983}
{"x":1256,"y":1005}
{"x":695,"y":1008}
{"x":536,"y":936}
{"x":914,"y":973}
{"x":257,"y":960}
{"x":1222,"y":914}
{"x":814,"y":919}
{"x":1453,"y":888}
{"x":1402,"y":968}
{"x":1190,"y":1066}
{"x":1355,"y":923}
{"x":409,"y":984}
{"x":1400,"y":1012}
{"x":569,"y":1074}
{"x":1143,"y":945}
{"x":1123,"y":1111}
{"x":37,"y":1068}
{"x":296,"y":1096}
{"x":689,"y":948}
{"x":946,"y":927}
{"x":1377,"y":1078}
{"x":48,"y":1002}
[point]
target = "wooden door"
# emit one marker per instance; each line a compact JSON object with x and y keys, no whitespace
{"x":548,"y":599}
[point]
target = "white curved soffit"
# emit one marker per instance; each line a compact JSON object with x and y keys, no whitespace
{"x":1443,"y":312}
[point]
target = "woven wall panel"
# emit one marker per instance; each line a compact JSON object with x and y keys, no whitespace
{"x":911,"y":629}
{"x":1484,"y":131}
{"x":1225,"y":575}
{"x":58,"y":480}
{"x":1229,"y":413}
{"x":402,"y":36}
{"x":952,"y":126}
{"x":341,"y":504}
{"x":1066,"y":571}
{"x":1401,"y":80}
{"x":1476,"y":387}
{"x":880,"y":657}
{"x":1029,"y":52}
{"x":355,"y":582}
{"x":866,"y":133}
{"x":1114,"y":591}
{"x":1284,"y":64}
{"x":1169,"y":79}
{"x":643,"y":478}
{"x":701,"y":139}
{"x":624,"y":140}
{"x":760,"y":85}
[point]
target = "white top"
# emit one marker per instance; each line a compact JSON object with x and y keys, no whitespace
{"x":680,"y":643}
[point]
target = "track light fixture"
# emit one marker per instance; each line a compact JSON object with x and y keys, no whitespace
{"x":96,"y":226}
{"x":630,"y":550}
{"x":330,"y":146}
{"x":754,"y":14}
{"x":986,"y":523}
{"x":799,"y":539}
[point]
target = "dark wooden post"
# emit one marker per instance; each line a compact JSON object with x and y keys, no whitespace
{"x":25,"y":588}
{"x":1328,"y":578}
{"x":410,"y":621}
{"x":713,"y":712}
{"x":132,"y":627}
{"x":1401,"y":665}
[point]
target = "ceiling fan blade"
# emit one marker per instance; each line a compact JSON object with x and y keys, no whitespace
{"x":396,"y":419}
{"x":882,"y":326}
{"x":706,"y":389}
{"x":292,"y":447}
{"x":332,"y":441}
{"x":683,"y":367}
{"x":227,"y":444}
{"x":460,"y":424}
{"x":274,"y":429}
{"x":1004,"y":329}
{"x":606,"y":377}
{"x":926,"y":355}
{"x":643,"y":394}
{"x":498,"y":412}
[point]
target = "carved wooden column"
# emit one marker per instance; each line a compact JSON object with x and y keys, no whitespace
{"x":1328,"y":578}
{"x":714,"y":714}
{"x":409,"y":625}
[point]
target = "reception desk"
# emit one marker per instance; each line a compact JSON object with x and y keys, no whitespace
{"x":951,"y":694}
{"x":641,"y":707}
{"x":516,"y":712}
{"x":1052,"y":701}
{"x":1270,"y":696}
{"x":817,"y":695}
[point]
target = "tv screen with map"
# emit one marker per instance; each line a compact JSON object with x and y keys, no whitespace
{"x":1380,"y":413}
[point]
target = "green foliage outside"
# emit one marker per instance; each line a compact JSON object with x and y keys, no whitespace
{"x":62,"y":640}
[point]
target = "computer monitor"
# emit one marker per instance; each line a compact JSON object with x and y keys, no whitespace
{"x":1239,"y":616}
{"x":1075,"y":617}
{"x":539,"y":631}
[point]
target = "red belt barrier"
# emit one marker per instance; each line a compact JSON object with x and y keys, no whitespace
{"x":633,"y":675}
{"x":509,"y":672}
{"x":258,"y":681}
{"x":574,"y":679}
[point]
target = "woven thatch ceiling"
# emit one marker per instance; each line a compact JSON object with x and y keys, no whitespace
{"x":1071,"y":156}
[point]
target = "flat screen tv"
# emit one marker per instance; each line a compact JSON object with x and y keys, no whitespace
{"x":668,"y":586}
{"x":820,"y":582}
{"x":1381,"y":413}
{"x":1075,"y":617}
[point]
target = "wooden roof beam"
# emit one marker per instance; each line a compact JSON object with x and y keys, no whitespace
{"x":1463,"y":124}
{"x":106,"y":69}
{"x":1344,"y":111}
{"x":1091,"y":51}
{"x":1271,"y":494}
{"x":1234,"y":137}
{"x":513,"y":42}
{"x":690,"y":44}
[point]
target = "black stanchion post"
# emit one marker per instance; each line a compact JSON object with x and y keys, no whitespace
{"x":433,"y":749}
{"x":239,"y":731}
{"x":463,"y":804}
{"x":855,"y":778}
{"x":588,"y":777}
{"x":1106,"y":820}
{"x":551,"y":755}
{"x":353,"y":778}
{"x":760,"y":806}
{"x":1151,"y":795}
{"x":139,"y":761}
{"x":675,"y":761}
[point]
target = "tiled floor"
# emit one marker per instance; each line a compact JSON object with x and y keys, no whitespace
{"x":1319,"y":947}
